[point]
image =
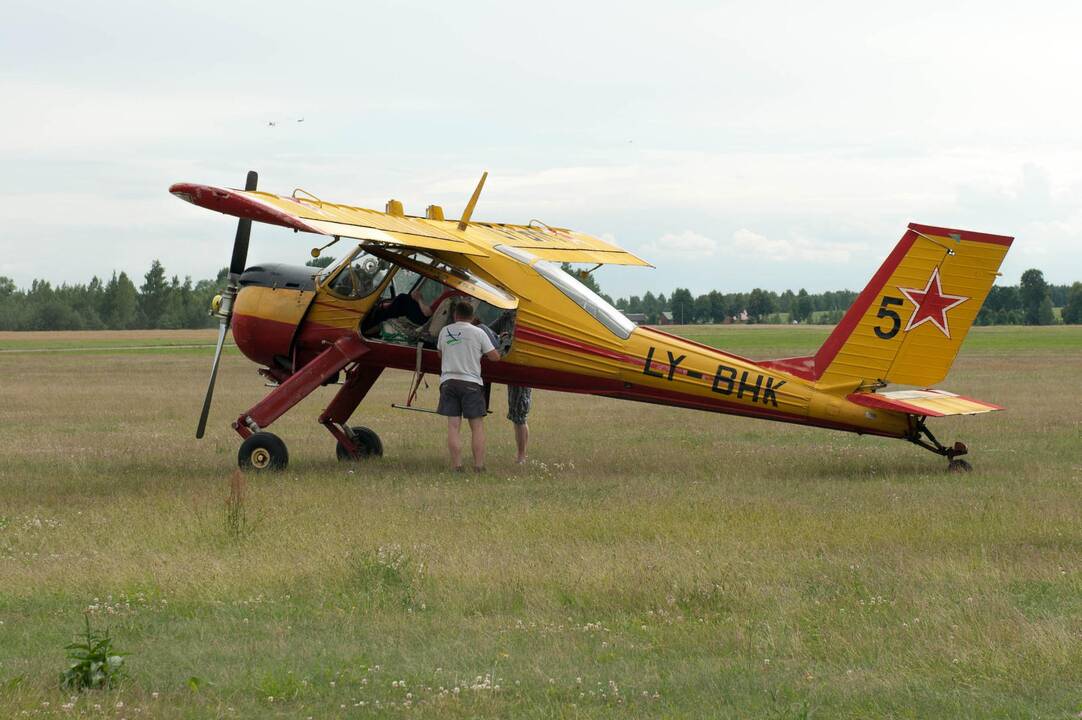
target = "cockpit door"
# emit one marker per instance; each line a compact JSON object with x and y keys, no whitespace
{"x":451,"y":276}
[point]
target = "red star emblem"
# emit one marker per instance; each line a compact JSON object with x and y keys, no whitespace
{"x":931,"y":304}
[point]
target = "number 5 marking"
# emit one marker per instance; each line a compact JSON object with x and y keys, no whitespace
{"x":886,"y":312}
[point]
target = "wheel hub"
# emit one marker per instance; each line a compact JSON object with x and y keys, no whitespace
{"x":260,"y":458}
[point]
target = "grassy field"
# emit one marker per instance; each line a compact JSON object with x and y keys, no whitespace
{"x":647,"y":562}
{"x":106,"y":340}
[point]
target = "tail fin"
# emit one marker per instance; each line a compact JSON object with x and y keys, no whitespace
{"x":909,"y":322}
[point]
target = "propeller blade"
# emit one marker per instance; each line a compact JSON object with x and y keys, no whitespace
{"x":244,"y":232}
{"x":224,"y":310}
{"x":201,"y":429}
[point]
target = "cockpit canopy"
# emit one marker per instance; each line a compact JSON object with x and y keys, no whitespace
{"x":357,"y":275}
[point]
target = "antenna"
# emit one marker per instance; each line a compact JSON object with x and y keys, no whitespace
{"x":468,"y":212}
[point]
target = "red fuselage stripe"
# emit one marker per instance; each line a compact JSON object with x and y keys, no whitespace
{"x":403,"y":357}
{"x":647,"y":394}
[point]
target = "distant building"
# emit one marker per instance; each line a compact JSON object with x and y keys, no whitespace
{"x":637,"y":318}
{"x":664,"y":318}
{"x":733,"y":319}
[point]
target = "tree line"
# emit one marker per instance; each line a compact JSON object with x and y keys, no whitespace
{"x":113,"y":304}
{"x":1032,"y":302}
{"x":169,"y":302}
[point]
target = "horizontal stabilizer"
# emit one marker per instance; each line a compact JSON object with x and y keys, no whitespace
{"x":930,"y":403}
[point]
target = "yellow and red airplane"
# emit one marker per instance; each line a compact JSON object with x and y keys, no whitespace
{"x":305,"y":327}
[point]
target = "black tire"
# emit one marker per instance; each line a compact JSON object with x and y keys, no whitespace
{"x":263,"y":452}
{"x":368,"y":445}
{"x":959,"y":466}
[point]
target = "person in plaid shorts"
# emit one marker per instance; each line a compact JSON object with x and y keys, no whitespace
{"x":518,"y":407}
{"x":518,"y":402}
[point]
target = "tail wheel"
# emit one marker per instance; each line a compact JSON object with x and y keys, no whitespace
{"x":368,"y":445}
{"x":263,"y":452}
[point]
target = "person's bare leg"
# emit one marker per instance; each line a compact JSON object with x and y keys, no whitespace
{"x":477,"y":439}
{"x":454,"y":441}
{"x":522,"y":437}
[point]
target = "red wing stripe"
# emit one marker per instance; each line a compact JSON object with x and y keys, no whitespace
{"x":231,"y":202}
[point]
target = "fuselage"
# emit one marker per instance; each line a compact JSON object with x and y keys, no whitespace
{"x":284,"y":317}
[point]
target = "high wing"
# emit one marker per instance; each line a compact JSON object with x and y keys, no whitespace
{"x":306,"y":213}
{"x":551,"y":243}
{"x":309,"y":214}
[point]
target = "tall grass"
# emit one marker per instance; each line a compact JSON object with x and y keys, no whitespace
{"x":648,"y":561}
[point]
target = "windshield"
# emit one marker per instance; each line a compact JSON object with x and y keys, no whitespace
{"x":583,"y":296}
{"x":358,"y":276}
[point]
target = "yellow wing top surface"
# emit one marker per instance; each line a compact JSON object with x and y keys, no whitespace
{"x":306,"y":213}
{"x":551,"y":243}
{"x":309,"y":214}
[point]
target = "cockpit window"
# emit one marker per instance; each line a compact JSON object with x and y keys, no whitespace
{"x":450,"y":275}
{"x":358,"y":276}
{"x":404,"y":280}
{"x":583,"y":296}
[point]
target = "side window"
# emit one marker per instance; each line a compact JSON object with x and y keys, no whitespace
{"x":404,"y":280}
{"x":360,"y":277}
{"x":430,"y":290}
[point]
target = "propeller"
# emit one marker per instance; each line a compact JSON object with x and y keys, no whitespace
{"x":223,"y":307}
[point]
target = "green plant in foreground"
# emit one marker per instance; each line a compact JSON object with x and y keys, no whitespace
{"x":95,"y":664}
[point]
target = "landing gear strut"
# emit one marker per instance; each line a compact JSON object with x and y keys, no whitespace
{"x":921,"y":435}
{"x":263,"y":451}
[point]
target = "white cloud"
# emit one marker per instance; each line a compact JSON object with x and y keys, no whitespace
{"x":67,"y":210}
{"x":53,"y":118}
{"x":819,"y":135}
{"x":685,"y":245}
{"x":793,"y":249}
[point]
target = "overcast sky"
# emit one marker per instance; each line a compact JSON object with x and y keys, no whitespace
{"x":733,"y":145}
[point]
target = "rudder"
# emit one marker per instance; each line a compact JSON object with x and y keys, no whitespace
{"x":908,"y":324}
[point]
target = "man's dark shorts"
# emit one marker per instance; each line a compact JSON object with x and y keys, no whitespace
{"x":518,"y":404}
{"x":461,"y":398}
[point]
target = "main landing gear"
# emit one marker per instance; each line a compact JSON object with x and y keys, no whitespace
{"x":264,"y":451}
{"x":921,"y":435}
{"x":366,"y":442}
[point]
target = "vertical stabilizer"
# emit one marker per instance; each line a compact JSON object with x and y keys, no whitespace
{"x":907,"y":325}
